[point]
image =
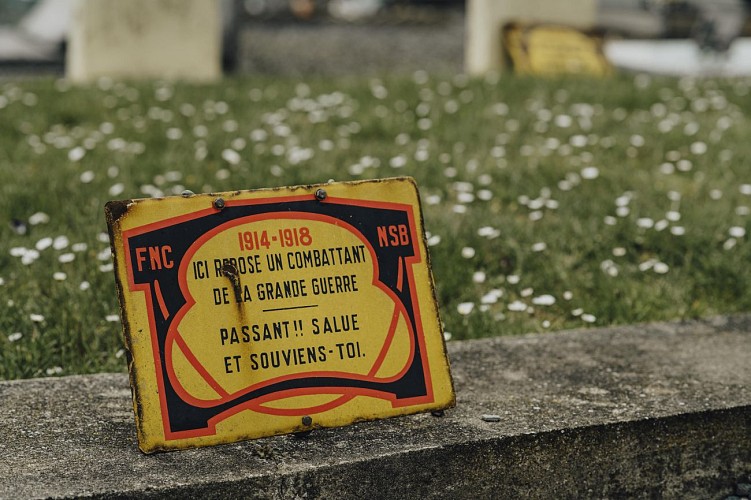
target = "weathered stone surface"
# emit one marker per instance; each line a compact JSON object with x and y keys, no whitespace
{"x":659,"y":410}
{"x":144,"y":39}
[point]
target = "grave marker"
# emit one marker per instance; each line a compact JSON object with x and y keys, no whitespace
{"x":170,"y":39}
{"x":257,"y":313}
{"x":486,"y":18}
{"x":549,"y":49}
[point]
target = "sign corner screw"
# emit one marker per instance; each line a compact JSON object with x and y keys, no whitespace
{"x":219,"y":203}
{"x":320,"y":194}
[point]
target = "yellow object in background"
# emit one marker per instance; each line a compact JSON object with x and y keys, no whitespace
{"x":548,"y":50}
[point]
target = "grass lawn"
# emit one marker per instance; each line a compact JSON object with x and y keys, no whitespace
{"x":549,"y":204}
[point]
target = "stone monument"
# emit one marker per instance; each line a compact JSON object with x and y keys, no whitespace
{"x":171,"y":39}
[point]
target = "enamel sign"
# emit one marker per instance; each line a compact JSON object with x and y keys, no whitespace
{"x":256,"y":313}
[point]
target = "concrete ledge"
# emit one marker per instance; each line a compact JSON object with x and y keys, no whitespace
{"x":660,"y":410}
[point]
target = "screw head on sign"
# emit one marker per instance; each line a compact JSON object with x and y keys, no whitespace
{"x":320,"y":194}
{"x":219,"y":203}
{"x":307,"y":420}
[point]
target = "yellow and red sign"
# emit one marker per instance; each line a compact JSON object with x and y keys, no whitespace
{"x":256,"y":313}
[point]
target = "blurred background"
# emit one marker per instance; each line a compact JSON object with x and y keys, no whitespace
{"x":361,"y":36}
{"x":549,"y":203}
